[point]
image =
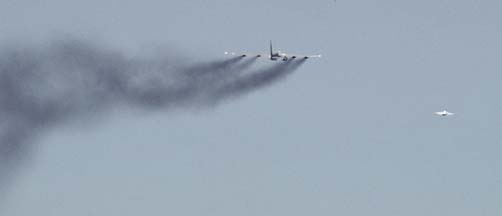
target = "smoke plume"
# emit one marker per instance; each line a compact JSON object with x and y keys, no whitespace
{"x":41,"y":86}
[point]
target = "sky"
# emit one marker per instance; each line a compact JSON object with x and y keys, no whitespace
{"x":349,"y":134}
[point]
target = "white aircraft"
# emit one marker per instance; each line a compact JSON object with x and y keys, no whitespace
{"x":444,"y":113}
{"x":274,"y":56}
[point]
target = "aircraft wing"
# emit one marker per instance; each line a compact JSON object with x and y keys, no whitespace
{"x":245,"y":54}
{"x":444,"y":113}
{"x":304,"y":56}
{"x":313,"y":56}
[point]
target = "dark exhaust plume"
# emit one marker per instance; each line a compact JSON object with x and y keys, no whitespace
{"x":254,"y":81}
{"x":69,"y":79}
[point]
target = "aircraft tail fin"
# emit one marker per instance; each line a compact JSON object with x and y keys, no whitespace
{"x":271,"y":50}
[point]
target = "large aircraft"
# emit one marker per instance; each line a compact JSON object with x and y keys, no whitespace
{"x":444,"y":113}
{"x":274,"y":56}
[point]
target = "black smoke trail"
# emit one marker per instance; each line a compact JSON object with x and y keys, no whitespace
{"x":41,"y":86}
{"x":261,"y":78}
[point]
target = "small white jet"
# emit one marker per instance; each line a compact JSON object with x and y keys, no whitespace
{"x":274,"y":56}
{"x":444,"y":113}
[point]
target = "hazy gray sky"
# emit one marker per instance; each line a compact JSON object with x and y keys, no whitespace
{"x":349,"y":134}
